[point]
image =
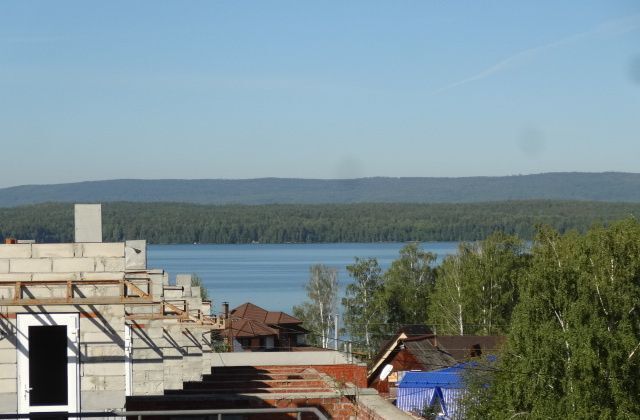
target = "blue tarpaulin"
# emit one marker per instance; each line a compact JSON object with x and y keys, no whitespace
{"x":440,"y":388}
{"x":445,"y":378}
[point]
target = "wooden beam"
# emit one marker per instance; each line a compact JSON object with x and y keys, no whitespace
{"x":76,"y":301}
{"x":69,"y":291}
{"x":17,"y":292}
{"x":138,"y":291}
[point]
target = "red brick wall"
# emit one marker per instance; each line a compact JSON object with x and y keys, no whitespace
{"x":355,"y":374}
{"x":338,"y":408}
{"x":402,"y":360}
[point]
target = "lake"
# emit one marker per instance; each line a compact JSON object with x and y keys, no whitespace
{"x":270,"y":275}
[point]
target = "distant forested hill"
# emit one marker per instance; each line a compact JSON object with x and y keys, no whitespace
{"x":188,"y":223}
{"x":609,"y":186}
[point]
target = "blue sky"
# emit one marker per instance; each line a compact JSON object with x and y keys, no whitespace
{"x":331,"y":89}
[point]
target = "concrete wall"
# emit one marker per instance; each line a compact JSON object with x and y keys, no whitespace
{"x":75,"y":261}
{"x":101,"y":348}
{"x":102,"y":371}
{"x":303,"y":358}
{"x":8,"y":360}
{"x":192,"y":360}
{"x":41,"y":262}
{"x":183,"y":354}
{"x":147,"y":364}
{"x":164,"y":352}
{"x":173,"y":352}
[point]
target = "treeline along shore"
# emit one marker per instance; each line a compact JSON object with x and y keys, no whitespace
{"x":306,"y":223}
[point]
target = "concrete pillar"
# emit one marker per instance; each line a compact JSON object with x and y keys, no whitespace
{"x":147,"y":345}
{"x":88,"y":223}
{"x":192,"y":359}
{"x":173,"y":352}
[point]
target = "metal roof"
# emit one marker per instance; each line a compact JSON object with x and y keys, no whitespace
{"x":443,"y":378}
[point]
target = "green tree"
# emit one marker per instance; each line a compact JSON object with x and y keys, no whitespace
{"x":362,"y":319}
{"x":573,"y":348}
{"x":452,"y":298}
{"x":404,"y":297}
{"x":278,"y":223}
{"x":478,"y":379}
{"x":476,"y":289}
{"x":317,"y":314}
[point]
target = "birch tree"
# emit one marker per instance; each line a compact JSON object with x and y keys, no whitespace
{"x":450,"y":299}
{"x":362,"y":317}
{"x":476,"y":289}
{"x":572,"y":351}
{"x":317,"y":314}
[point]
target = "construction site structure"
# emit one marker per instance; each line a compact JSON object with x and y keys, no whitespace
{"x":84,"y":325}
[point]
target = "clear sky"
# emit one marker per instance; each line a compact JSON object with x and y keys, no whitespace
{"x":325,"y":89}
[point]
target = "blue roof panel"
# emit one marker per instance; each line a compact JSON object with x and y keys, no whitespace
{"x":445,"y":378}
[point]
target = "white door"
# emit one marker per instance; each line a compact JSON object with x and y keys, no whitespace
{"x":48,"y":363}
{"x":128,"y":385}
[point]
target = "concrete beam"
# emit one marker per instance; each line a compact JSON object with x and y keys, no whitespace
{"x":55,"y":276}
{"x":109,"y":264}
{"x":102,"y":276}
{"x":16,"y":277}
{"x":30,"y":265}
{"x":15,"y":251}
{"x":63,"y":265}
{"x":105,"y":250}
{"x":52,"y":250}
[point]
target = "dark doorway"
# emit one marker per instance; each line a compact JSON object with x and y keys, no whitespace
{"x":48,"y":365}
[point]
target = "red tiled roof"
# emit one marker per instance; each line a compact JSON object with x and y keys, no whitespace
{"x":256,"y":313}
{"x":249,"y":311}
{"x":248,"y":328}
{"x":281,"y":318}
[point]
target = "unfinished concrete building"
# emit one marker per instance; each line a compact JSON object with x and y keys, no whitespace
{"x":87,"y":327}
{"x":83,"y":325}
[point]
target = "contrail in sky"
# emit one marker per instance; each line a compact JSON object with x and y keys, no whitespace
{"x":610,"y":27}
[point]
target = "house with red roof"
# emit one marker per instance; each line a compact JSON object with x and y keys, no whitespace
{"x":252,"y":328}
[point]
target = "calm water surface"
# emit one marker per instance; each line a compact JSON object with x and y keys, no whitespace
{"x":270,"y":275}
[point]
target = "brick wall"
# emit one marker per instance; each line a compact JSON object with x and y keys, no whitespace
{"x":336,"y":408}
{"x":402,"y":360}
{"x":355,"y":374}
